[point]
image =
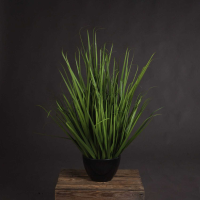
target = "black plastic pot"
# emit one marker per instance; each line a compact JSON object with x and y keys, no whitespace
{"x":101,"y":170}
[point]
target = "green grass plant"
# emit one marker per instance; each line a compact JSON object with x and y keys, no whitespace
{"x":100,"y":116}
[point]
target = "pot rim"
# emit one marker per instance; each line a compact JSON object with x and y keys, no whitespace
{"x":101,"y":159}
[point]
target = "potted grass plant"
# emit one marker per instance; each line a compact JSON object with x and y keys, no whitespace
{"x":101,"y":113}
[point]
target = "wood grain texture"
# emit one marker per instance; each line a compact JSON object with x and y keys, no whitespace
{"x":74,"y":184}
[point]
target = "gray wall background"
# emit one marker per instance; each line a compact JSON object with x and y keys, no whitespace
{"x":33,"y":34}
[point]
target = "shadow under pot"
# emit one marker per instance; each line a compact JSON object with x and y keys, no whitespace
{"x":101,"y":170}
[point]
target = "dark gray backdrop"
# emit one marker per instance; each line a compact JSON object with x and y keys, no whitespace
{"x":32,"y":36}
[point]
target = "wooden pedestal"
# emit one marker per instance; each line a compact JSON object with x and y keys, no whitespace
{"x":75,"y":184}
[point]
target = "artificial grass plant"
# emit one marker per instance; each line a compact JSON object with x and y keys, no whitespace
{"x":99,"y":118}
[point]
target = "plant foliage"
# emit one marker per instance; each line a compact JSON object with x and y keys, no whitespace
{"x":99,"y":118}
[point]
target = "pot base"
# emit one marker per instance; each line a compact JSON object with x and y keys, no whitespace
{"x":101,"y":170}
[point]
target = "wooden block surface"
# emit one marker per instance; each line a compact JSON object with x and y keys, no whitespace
{"x":74,"y":184}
